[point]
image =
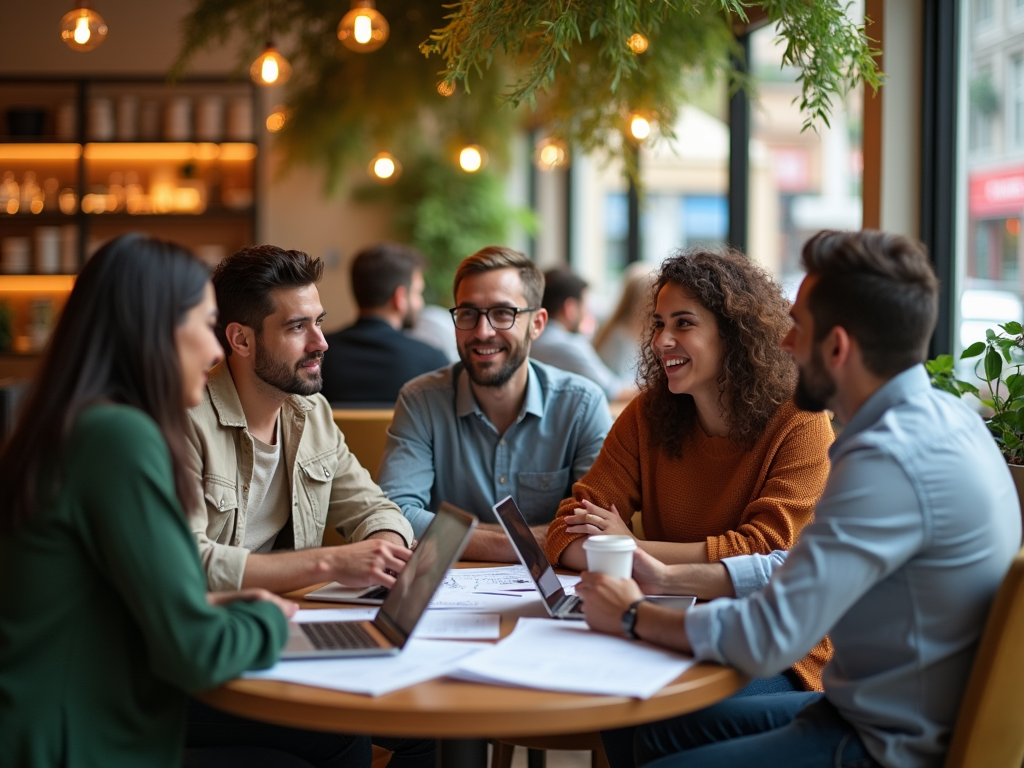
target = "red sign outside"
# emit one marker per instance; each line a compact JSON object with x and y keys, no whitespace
{"x":997,"y":194}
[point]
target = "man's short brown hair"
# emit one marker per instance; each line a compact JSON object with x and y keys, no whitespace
{"x":880,"y":288}
{"x":499,"y":257}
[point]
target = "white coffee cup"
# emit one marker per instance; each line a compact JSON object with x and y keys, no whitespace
{"x":610,"y":555}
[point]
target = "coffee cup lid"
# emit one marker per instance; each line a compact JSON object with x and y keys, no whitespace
{"x":608,"y":543}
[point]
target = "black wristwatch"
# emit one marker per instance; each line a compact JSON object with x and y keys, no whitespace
{"x":629,"y":620}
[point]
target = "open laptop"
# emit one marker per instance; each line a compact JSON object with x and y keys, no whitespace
{"x":442,"y":544}
{"x":558,"y":604}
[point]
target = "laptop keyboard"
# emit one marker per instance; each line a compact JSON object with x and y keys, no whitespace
{"x":570,"y":606}
{"x":335,"y":635}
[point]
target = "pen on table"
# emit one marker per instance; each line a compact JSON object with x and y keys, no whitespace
{"x":499,"y":594}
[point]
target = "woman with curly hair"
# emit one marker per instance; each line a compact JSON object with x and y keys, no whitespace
{"x":713,"y":450}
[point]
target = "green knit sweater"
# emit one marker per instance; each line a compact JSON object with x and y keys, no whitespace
{"x":104,"y":624}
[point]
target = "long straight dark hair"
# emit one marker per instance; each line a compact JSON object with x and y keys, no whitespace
{"x":114,"y":343}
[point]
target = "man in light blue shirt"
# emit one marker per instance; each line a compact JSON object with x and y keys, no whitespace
{"x":496,"y":423}
{"x":913,"y":534}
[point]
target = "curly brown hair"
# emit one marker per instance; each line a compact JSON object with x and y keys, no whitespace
{"x":753,"y":316}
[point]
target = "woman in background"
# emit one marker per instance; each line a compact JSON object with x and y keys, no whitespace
{"x":105,"y":622}
{"x":620,"y":337}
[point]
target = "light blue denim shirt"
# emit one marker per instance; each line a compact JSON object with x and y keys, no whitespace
{"x":441,"y":446}
{"x":912,"y":536}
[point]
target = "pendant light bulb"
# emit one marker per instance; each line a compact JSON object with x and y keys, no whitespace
{"x":271,"y":68}
{"x":472,"y":158}
{"x":384,"y":168}
{"x":640,"y":127}
{"x":551,"y":154}
{"x":82,"y":28}
{"x":364,"y":28}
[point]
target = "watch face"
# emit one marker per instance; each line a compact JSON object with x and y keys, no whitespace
{"x":629,"y":621}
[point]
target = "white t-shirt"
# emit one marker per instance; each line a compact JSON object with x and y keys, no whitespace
{"x":268,"y":506}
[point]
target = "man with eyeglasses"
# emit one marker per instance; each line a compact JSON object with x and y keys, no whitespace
{"x":496,"y":423}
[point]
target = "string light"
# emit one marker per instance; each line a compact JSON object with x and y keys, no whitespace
{"x":277,"y":119}
{"x":364,"y":28}
{"x":384,"y":168}
{"x":82,"y":28}
{"x":472,"y":158}
{"x":640,"y":127}
{"x":637,"y":43}
{"x":551,"y":154}
{"x":271,"y":68}
{"x":445,"y":88}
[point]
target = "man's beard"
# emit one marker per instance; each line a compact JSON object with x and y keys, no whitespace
{"x":496,"y":377}
{"x":280,"y":375}
{"x":814,"y":387}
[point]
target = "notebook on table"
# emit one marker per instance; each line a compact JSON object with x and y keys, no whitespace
{"x":558,"y":604}
{"x":439,"y":549}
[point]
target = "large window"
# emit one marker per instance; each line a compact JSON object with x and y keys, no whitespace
{"x":989,"y":264}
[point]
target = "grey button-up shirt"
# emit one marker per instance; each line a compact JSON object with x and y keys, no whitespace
{"x":441,"y":446}
{"x":915,"y":531}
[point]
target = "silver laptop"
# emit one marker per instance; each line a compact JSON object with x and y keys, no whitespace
{"x":558,"y":604}
{"x":439,"y":549}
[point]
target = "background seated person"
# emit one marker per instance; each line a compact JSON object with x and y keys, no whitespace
{"x":620,"y":337}
{"x":912,"y":537}
{"x":273,"y":466}
{"x":713,"y":451}
{"x":105,"y":622}
{"x":370,"y":360}
{"x":563,"y":346}
{"x":496,"y":423}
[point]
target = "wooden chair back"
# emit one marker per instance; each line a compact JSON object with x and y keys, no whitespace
{"x":365,"y":433}
{"x":989,"y":729}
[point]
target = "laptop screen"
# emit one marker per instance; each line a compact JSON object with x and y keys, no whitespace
{"x":530,"y":553}
{"x":441,"y":545}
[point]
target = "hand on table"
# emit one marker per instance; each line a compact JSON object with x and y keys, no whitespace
{"x":605,"y":600}
{"x":593,"y":520}
{"x":365,"y":563}
{"x":649,"y":572}
{"x":252,"y":595}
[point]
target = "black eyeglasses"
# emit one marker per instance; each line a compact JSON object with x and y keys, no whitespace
{"x":500,"y":318}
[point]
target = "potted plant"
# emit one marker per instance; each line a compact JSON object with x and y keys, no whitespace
{"x":1001,"y":360}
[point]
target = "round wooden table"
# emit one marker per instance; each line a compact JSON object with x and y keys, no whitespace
{"x":460,"y":714}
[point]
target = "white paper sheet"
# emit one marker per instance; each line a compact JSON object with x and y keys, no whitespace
{"x":435,"y":625}
{"x":567,"y":656}
{"x":419,"y":661}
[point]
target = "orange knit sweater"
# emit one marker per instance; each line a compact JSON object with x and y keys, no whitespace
{"x":739,"y":501}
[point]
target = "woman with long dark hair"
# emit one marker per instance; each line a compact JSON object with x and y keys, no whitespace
{"x":105,"y":622}
{"x":713,"y":451}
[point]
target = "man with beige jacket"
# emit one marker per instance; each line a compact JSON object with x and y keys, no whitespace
{"x":273,"y":466}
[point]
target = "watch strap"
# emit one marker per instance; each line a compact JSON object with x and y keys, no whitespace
{"x":629,"y":619}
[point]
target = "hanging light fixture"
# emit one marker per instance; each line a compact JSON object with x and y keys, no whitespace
{"x":637,"y":43}
{"x":364,"y":28}
{"x":472,"y":158}
{"x":384,"y":168}
{"x":551,"y":154}
{"x":271,"y":68}
{"x":277,"y":119}
{"x":445,"y":88}
{"x":82,"y":28}
{"x":639,"y":126}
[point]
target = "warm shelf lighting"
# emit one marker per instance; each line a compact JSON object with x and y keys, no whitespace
{"x":364,"y":28}
{"x":640,"y":127}
{"x":551,"y":154}
{"x":168,"y":151}
{"x":385,"y":168}
{"x":472,"y":158}
{"x":637,"y":43}
{"x":40,"y":152}
{"x":271,"y":68}
{"x":36,"y":283}
{"x":82,"y":28}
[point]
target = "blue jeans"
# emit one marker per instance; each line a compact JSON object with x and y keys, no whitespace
{"x":783,"y":730}
{"x":216,"y":739}
{"x":623,"y":748}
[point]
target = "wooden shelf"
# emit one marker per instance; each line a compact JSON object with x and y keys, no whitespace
{"x":36,"y":283}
